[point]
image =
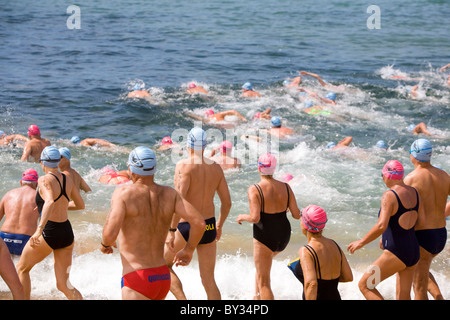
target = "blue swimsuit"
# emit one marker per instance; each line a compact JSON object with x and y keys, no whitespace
{"x":401,"y":242}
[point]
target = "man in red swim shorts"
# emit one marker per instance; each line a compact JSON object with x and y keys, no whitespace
{"x":139,"y":219}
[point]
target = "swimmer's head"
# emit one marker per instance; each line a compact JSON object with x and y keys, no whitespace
{"x":286,"y":82}
{"x":393,"y":169}
{"x":421,"y":150}
{"x":142,"y":161}
{"x":192,"y":85}
{"x":30,"y":175}
{"x":75,"y":139}
{"x":166,"y":140}
{"x":50,"y":157}
{"x":267,"y":163}
{"x":2,"y":133}
{"x":33,"y":130}
{"x":247,"y":86}
{"x":65,"y":152}
{"x":276,"y":122}
{"x":309,"y":104}
{"x":257,"y":115}
{"x":313,"y":218}
{"x":209,"y":112}
{"x":411,"y":127}
{"x":331,"y":145}
{"x":381,"y":144}
{"x":225,"y":146}
{"x":331,"y":96}
{"x":196,"y":139}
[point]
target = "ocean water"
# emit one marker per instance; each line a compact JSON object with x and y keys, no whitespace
{"x":75,"y":81}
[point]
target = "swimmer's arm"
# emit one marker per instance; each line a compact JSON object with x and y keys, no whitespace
{"x":381,"y":225}
{"x":309,"y":274}
{"x":444,"y":67}
{"x":77,"y":202}
{"x":84,"y":186}
{"x":255,"y":208}
{"x":26,"y":153}
{"x":2,"y":208}
{"x":114,"y":222}
{"x":196,"y":117}
{"x":47,"y":195}
{"x":293,"y":207}
{"x":183,"y":183}
{"x":323,"y":83}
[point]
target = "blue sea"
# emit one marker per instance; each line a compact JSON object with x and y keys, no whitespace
{"x":69,"y":72}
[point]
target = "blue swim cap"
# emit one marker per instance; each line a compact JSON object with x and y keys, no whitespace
{"x":142,"y":161}
{"x":65,"y":152}
{"x":276,"y":121}
{"x":247,"y":86}
{"x":411,"y":127}
{"x":196,"y":139}
{"x":50,"y":157}
{"x":2,"y":133}
{"x":421,"y":150}
{"x":309,"y":103}
{"x":381,"y":144}
{"x":331,"y":145}
{"x":75,"y":139}
{"x":286,"y":82}
{"x":331,"y":96}
{"x":302,"y":94}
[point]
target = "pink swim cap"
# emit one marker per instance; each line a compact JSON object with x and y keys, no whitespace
{"x":226,"y":145}
{"x":209,"y":112}
{"x":166,"y":140}
{"x":33,"y":130}
{"x":267,"y":164}
{"x":30,"y":175}
{"x":393,"y":169}
{"x":257,"y":115}
{"x":287,"y":177}
{"x":314,"y":218}
{"x":191,"y":85}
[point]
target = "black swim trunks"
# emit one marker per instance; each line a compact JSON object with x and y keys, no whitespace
{"x":210,"y":231}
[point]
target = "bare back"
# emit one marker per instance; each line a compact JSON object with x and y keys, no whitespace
{"x":198,"y":183}
{"x":20,"y":211}
{"x":329,"y":255}
{"x":33,"y":149}
{"x":433,"y":186}
{"x":146,"y":212}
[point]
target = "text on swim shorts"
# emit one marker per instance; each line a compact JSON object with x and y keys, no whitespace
{"x":159,"y":277}
{"x":209,"y":227}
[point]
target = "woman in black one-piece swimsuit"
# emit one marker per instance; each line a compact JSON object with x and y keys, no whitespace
{"x":269,"y":202}
{"x":54,"y":233}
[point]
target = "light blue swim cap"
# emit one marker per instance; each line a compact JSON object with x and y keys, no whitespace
{"x":2,"y":133}
{"x":247,"y":86}
{"x":331,"y":96}
{"x":75,"y":139}
{"x":50,"y":157}
{"x":411,"y":127}
{"x":196,"y":139}
{"x":302,"y":94}
{"x":331,"y":145}
{"x":421,"y":150}
{"x":276,"y":121}
{"x":286,"y":82}
{"x":381,"y":144}
{"x":65,"y":152}
{"x":309,"y":103}
{"x":142,"y":161}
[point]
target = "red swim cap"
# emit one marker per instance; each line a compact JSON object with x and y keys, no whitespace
{"x":393,"y":169}
{"x":166,"y":140}
{"x":314,"y":218}
{"x":30,"y":175}
{"x":33,"y":130}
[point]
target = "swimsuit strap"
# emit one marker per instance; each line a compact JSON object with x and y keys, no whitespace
{"x":261,"y":195}
{"x":316,"y":259}
{"x":62,"y":187}
{"x":340,"y":252}
{"x":416,"y":207}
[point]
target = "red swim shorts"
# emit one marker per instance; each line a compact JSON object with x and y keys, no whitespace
{"x":154,"y":283}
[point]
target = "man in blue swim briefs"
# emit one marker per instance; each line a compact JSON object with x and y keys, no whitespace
{"x":139,"y":219}
{"x":433,"y":185}
{"x":18,"y":206}
{"x":197,"y":179}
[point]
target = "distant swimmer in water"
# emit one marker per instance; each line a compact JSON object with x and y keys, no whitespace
{"x":91,"y":142}
{"x":278,"y":130}
{"x":304,"y":94}
{"x":330,"y":86}
{"x":167,"y":143}
{"x":292,"y":83}
{"x":248,"y":92}
{"x":421,"y":128}
{"x":224,"y":159}
{"x":315,"y":110}
{"x":341,"y":144}
{"x":11,"y":140}
{"x":193,"y":88}
{"x":33,"y":147}
{"x":443,"y":69}
{"x":139,"y":91}
{"x":381,"y":145}
{"x":225,"y":118}
{"x":263,"y":115}
{"x":111,"y":176}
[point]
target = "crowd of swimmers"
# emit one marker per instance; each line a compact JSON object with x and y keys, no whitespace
{"x":157,"y":227}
